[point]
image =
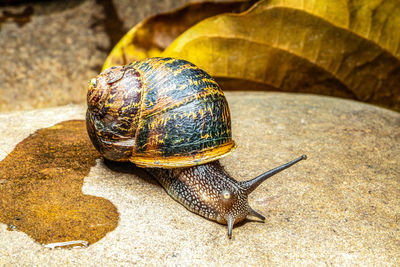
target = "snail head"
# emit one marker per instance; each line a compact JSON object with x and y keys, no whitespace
{"x":228,"y":199}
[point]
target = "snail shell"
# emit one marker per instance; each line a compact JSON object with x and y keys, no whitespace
{"x":159,"y":112}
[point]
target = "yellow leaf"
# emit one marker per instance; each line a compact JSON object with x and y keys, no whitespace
{"x":150,"y":37}
{"x":339,"y":48}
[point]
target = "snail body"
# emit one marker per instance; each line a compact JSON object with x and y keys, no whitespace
{"x":172,"y":118}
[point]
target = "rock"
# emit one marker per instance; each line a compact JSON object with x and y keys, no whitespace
{"x":341,"y":206}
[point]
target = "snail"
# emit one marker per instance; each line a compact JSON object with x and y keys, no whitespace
{"x":171,"y":118}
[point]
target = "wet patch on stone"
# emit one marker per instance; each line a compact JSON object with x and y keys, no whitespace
{"x":41,"y":188}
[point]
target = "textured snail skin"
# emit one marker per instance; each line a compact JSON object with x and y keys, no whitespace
{"x":212,"y":193}
{"x":206,"y":190}
{"x":170,"y":117}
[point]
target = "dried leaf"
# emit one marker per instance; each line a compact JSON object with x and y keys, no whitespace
{"x":346,"y":49}
{"x":150,"y":37}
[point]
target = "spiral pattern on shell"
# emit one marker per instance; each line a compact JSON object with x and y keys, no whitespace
{"x":159,"y":112}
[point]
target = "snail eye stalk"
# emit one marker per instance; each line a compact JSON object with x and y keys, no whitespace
{"x":252,"y":184}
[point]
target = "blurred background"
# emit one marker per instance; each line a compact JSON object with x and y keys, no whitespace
{"x":50,"y":49}
{"x":347,"y":49}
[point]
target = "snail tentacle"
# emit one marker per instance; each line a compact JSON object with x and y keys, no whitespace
{"x":252,"y":184}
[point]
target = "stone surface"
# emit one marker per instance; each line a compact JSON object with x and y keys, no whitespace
{"x":341,"y":206}
{"x":49,"y":50}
